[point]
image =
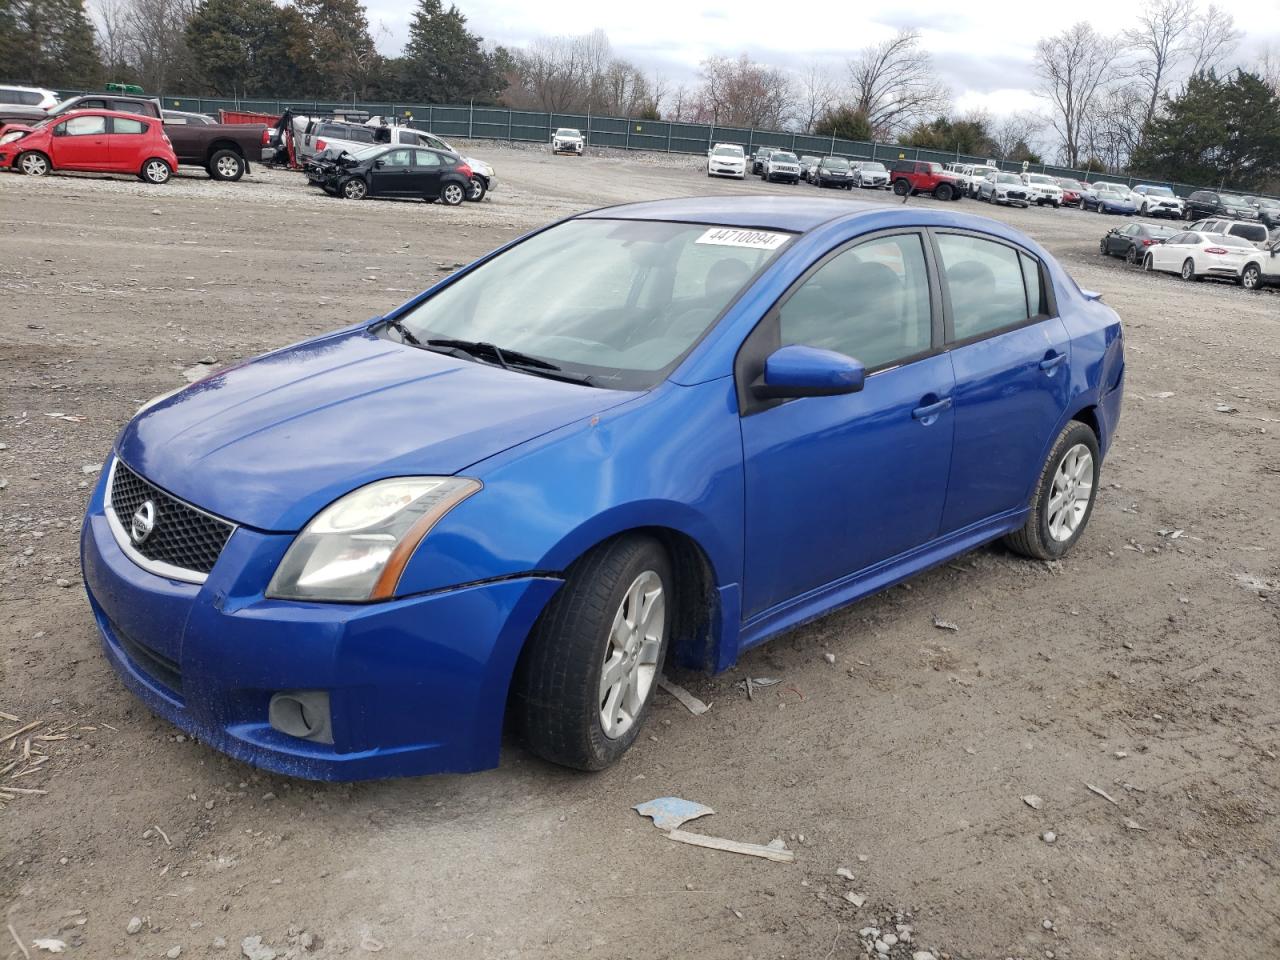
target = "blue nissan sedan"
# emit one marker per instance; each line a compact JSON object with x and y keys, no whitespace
{"x":654,"y":433}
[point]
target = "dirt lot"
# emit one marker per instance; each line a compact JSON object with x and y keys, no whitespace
{"x":1145,"y":665}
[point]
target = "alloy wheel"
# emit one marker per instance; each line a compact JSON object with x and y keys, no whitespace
{"x":1251,"y":277}
{"x":354,"y":189}
{"x":630,"y":666}
{"x":1071,"y":493}
{"x":34,"y":165}
{"x":228,"y":167}
{"x":157,"y":171}
{"x":453,"y":194}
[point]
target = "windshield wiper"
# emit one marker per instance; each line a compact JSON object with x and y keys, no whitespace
{"x":508,"y":359}
{"x":505,"y":356}
{"x":405,"y":333}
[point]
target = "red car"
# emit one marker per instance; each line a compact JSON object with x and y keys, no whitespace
{"x":921,"y":176}
{"x":1071,"y":191}
{"x":96,"y":140}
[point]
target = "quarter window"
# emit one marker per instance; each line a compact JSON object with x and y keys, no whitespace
{"x":985,"y":280}
{"x":870,"y":302}
{"x":121,"y":125}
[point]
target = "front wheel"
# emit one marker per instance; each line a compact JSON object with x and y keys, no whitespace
{"x":586,"y":677}
{"x":901,"y":187}
{"x":1064,"y":497}
{"x":944,"y":191}
{"x":479,"y":188}
{"x":453,"y":194}
{"x":1251,"y":278}
{"x":354,"y":189}
{"x":34,"y":164}
{"x":156,"y":171}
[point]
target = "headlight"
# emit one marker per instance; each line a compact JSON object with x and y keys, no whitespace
{"x":12,"y":136}
{"x":356,"y":548}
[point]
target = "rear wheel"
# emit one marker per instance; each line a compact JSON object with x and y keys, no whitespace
{"x":156,"y":171}
{"x":1131,"y":255}
{"x":226,"y":165}
{"x":586,"y":677}
{"x":34,"y":164}
{"x":453,"y":194}
{"x":1188,"y":269}
{"x":1148,"y":263}
{"x":1251,"y":278}
{"x":1064,"y":496}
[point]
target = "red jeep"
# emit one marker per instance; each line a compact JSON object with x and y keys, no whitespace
{"x":921,"y":176}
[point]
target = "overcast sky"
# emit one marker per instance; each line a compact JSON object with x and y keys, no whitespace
{"x":982,"y":51}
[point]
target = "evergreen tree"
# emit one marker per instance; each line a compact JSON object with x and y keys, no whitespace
{"x":845,"y":122}
{"x":1216,"y":132}
{"x":344,"y":60}
{"x":443,"y":61}
{"x":243,"y":47}
{"x":48,"y":43}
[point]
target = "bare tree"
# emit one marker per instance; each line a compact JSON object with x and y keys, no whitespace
{"x":1157,"y":45}
{"x":1268,"y":67}
{"x":1014,"y":133}
{"x":114,"y":38}
{"x":817,"y":93}
{"x":894,"y":84}
{"x":1113,"y":127}
{"x":1074,"y":67}
{"x":1212,"y":38}
{"x":743,"y":93}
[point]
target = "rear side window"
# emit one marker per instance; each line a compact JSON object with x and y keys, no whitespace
{"x":1253,"y":232}
{"x":426,"y":158}
{"x":26,"y":98}
{"x":91,"y":105}
{"x":1033,"y":277}
{"x":129,"y":106}
{"x":122,"y":125}
{"x":986,"y":282}
{"x":870,"y":302}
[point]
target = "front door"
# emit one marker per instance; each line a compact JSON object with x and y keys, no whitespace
{"x":1011,"y":356}
{"x":393,"y":173}
{"x":837,"y":484}
{"x":81,"y":143}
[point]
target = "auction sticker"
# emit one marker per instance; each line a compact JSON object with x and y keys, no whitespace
{"x":737,"y":237}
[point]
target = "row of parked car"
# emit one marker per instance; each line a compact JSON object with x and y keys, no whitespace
{"x":1241,"y":252}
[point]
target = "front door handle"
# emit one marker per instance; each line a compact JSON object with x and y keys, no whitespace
{"x":1052,"y":360}
{"x":930,"y":409}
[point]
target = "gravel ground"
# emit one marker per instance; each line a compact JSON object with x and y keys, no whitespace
{"x":1120,"y":703}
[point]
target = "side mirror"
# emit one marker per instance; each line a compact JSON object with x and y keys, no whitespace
{"x":379,"y":164}
{"x":799,"y":371}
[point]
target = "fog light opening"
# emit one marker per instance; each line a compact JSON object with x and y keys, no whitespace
{"x":303,"y":714}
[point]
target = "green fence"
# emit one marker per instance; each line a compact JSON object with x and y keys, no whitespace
{"x":499,"y":123}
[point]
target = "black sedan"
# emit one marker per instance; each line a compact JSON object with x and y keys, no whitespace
{"x":1131,"y":240}
{"x":383,"y":171}
{"x":834,"y":172}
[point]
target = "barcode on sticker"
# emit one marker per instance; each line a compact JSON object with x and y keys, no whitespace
{"x":735,"y":237}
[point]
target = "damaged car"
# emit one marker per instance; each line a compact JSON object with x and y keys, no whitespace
{"x":395,"y":172}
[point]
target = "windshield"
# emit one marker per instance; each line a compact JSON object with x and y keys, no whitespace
{"x":1157,"y":230}
{"x":1041,"y":178}
{"x":364,"y":153}
{"x":1268,"y":202}
{"x":728,"y":151}
{"x":566,"y":132}
{"x":1230,"y":200}
{"x":1071,"y":184}
{"x":874,"y":167}
{"x":620,"y":301}
{"x":1109,"y":194}
{"x":935,"y":168}
{"x":1007,"y":178}
{"x":783,"y":157}
{"x":1159,"y":192}
{"x":835,"y":163}
{"x":1110,"y":187}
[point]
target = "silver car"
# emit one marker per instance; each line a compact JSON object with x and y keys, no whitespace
{"x":870,"y":174}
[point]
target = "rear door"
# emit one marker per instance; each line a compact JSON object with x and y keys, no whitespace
{"x":429,"y":168}
{"x":81,"y":143}
{"x":1010,"y":353}
{"x":128,"y":143}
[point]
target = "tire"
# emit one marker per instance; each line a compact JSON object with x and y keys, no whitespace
{"x":155,"y":171}
{"x":1189,"y":270}
{"x":1057,"y":205}
{"x":1131,"y":255}
{"x":901,"y":187}
{"x":1149,"y":263}
{"x":353,"y":189}
{"x":452,"y":194}
{"x":943,"y":192}
{"x":34,"y":164}
{"x":1062,"y":504}
{"x":226,"y":165}
{"x":1102,"y":247}
{"x":479,"y":188}
{"x":557,"y":702}
{"x":1251,"y":277}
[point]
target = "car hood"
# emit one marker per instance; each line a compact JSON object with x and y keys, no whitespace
{"x":270,"y":442}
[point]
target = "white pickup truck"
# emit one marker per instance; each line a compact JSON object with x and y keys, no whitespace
{"x":1262,"y":269}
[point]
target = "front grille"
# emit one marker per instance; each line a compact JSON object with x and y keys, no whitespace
{"x":158,"y":667}
{"x":182,"y":536}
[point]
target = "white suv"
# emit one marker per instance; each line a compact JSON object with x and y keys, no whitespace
{"x":1158,"y":202}
{"x":1042,"y":189}
{"x":29,"y":97}
{"x":727,"y":160}
{"x":568,"y":140}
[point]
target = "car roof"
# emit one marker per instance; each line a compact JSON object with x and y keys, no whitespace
{"x":99,"y":112}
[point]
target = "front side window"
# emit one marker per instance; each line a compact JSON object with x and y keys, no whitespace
{"x":618,"y":300}
{"x":870,"y":302}
{"x":125,"y":126}
{"x":85,"y":126}
{"x":395,"y":159}
{"x":986,"y":282}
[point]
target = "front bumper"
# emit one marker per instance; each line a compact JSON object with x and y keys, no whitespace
{"x":416,"y":685}
{"x":873,"y":182}
{"x":724,"y":170}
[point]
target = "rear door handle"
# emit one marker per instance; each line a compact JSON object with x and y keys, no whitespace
{"x":930,"y":409}
{"x":1054,"y":360}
